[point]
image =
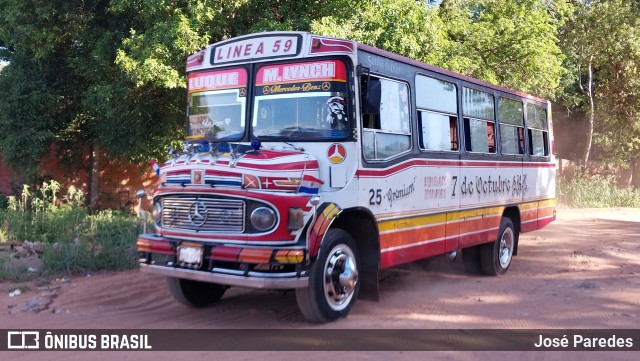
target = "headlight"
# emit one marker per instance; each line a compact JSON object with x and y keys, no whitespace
{"x":263,"y":218}
{"x":156,"y":212}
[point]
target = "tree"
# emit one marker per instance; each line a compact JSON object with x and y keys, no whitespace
{"x":110,"y":74}
{"x":602,"y":42}
{"x":510,"y":43}
{"x":406,"y":27}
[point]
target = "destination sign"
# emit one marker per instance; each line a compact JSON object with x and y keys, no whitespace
{"x":215,"y":80}
{"x":329,"y":70}
{"x":256,"y":48}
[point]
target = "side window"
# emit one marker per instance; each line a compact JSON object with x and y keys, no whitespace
{"x":511,"y":118}
{"x":437,"y":108}
{"x":479,"y":121}
{"x":388,"y":133}
{"x":538,"y":128}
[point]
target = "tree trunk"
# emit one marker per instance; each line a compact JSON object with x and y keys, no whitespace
{"x":589,"y":91}
{"x":95,"y":177}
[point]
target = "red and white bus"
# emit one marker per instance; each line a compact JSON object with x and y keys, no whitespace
{"x":312,"y":163}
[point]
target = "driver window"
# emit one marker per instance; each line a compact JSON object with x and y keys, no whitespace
{"x":387,"y":133}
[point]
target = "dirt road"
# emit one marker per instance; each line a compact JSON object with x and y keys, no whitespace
{"x":583,"y":271}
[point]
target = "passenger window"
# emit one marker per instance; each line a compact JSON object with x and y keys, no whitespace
{"x":538,"y":127}
{"x":438,"y":120}
{"x":479,"y":121}
{"x":511,"y":118}
{"x":388,"y":133}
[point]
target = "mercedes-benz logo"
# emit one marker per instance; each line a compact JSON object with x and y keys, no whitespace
{"x":197,"y":213}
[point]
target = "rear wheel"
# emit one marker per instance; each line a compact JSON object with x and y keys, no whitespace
{"x":194,"y":293}
{"x":333,"y":279}
{"x":496,"y":257}
{"x":471,"y":259}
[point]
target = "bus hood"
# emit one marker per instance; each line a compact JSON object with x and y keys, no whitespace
{"x":265,"y":169}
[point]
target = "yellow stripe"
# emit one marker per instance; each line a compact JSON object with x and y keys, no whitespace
{"x":528,"y":206}
{"x":452,"y":218}
{"x":327,"y":210}
{"x":332,"y":213}
{"x":412,"y":222}
{"x":550,"y":202}
{"x":427,"y":220}
{"x":396,"y":215}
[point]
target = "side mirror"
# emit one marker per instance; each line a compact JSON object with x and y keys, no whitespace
{"x":372,"y":96}
{"x":141,"y":193}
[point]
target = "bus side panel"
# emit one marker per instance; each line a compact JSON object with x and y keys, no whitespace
{"x":529,"y":216}
{"x":539,"y":180}
{"x":546,"y":212}
{"x":479,"y":226}
{"x":409,"y":239}
{"x":452,"y":243}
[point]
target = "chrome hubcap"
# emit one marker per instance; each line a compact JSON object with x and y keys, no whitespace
{"x":506,"y":248}
{"x":340,"y":277}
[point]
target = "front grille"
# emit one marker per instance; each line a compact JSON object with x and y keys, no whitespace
{"x":202,"y":214}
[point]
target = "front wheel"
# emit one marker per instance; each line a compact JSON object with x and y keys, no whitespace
{"x":194,"y":293}
{"x":496,"y":256}
{"x":333,"y":279}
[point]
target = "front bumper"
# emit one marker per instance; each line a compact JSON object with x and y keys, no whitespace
{"x":231,"y":265}
{"x":251,"y":281}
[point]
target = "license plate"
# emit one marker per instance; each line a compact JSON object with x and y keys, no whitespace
{"x":190,"y":254}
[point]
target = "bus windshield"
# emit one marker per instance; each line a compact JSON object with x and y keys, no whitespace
{"x":217,"y":104}
{"x":301,"y":101}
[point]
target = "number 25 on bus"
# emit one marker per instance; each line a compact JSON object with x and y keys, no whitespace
{"x":312,"y":163}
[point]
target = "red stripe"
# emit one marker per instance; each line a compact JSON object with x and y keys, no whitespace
{"x":478,"y":238}
{"x":224,"y":253}
{"x":400,"y":256}
{"x":292,"y":166}
{"x":179,"y":172}
{"x":310,"y":165}
{"x":410,"y":236}
{"x":441,"y":163}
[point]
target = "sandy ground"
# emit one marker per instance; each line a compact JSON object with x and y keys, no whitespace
{"x":583,"y":271}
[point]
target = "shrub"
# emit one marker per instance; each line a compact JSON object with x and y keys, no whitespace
{"x":581,"y":191}
{"x":72,"y":239}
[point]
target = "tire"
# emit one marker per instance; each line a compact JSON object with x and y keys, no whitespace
{"x":471,"y":260}
{"x":333,"y":279}
{"x":496,"y":257}
{"x":194,"y":293}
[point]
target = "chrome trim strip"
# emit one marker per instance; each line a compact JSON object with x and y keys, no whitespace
{"x":226,"y":279}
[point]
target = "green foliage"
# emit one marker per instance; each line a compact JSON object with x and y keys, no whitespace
{"x":581,"y":191}
{"x":612,"y":47}
{"x":73,"y":240}
{"x":510,"y":43}
{"x":104,"y":241}
{"x":406,"y":27}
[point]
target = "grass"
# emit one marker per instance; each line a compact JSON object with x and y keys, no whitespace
{"x":581,"y":191}
{"x":70,"y":239}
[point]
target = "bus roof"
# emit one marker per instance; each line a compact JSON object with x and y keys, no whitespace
{"x":442,"y":71}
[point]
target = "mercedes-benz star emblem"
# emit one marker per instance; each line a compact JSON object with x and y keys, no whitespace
{"x":197,"y":213}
